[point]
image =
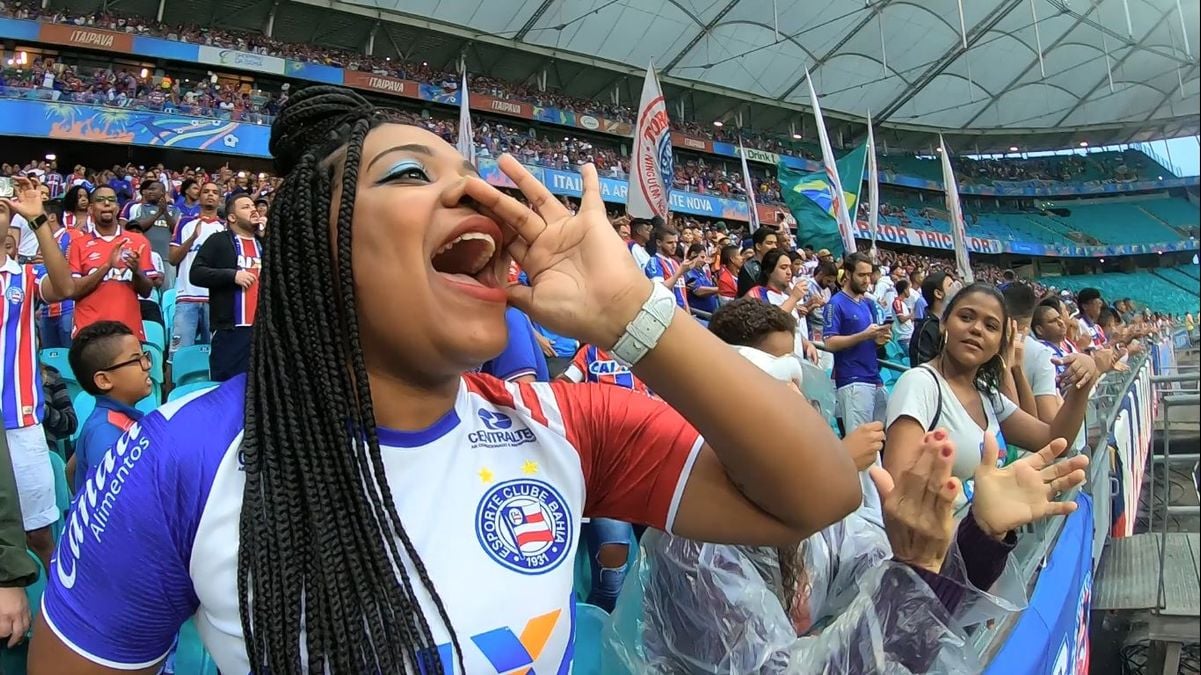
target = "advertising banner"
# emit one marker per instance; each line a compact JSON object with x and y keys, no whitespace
{"x":88,"y":38}
{"x":1051,"y":636}
{"x":617,"y":191}
{"x":381,"y":83}
{"x":924,"y":238}
{"x":502,"y":106}
{"x":317,"y":72}
{"x":687,"y":142}
{"x":232,"y":58}
{"x":164,"y":49}
{"x":17,"y":29}
{"x":78,"y":122}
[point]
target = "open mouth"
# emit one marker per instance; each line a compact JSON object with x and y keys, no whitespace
{"x":465,"y":256}
{"x":469,"y":256}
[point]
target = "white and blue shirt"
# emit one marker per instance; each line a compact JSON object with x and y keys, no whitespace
{"x":491,"y":496}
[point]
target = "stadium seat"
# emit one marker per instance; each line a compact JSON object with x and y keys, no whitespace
{"x":57,"y":358}
{"x":168,"y":305}
{"x":190,"y":655}
{"x":590,"y":622}
{"x":190,"y":364}
{"x":155,"y":334}
{"x":62,"y":493}
{"x":150,"y":403}
{"x":185,"y":389}
{"x":84,"y":403}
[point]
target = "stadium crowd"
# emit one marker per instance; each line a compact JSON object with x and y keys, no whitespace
{"x":208,"y":98}
{"x":133,"y":287}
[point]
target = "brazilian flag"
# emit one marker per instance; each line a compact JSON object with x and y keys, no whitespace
{"x":810,"y":198}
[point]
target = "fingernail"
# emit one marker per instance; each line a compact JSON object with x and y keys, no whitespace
{"x":940,"y":435}
{"x":950,"y":485}
{"x":946,"y":451}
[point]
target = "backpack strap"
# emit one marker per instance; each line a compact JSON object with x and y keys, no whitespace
{"x":938,"y":388}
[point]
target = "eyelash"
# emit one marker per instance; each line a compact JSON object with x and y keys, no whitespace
{"x":403,"y":170}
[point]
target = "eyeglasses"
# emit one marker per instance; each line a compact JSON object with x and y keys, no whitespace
{"x":143,"y":361}
{"x":105,"y":200}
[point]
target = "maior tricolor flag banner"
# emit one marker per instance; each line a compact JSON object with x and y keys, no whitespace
{"x":955,"y":215}
{"x":845,"y":227}
{"x":465,"y":144}
{"x":651,"y":164}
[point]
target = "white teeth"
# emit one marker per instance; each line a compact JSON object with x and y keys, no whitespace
{"x":484,"y":256}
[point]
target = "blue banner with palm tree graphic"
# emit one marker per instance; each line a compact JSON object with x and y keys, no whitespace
{"x":82,"y":122}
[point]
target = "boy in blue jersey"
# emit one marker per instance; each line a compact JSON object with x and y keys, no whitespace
{"x":109,"y":361}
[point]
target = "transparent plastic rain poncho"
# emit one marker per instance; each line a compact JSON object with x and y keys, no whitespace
{"x":689,"y":607}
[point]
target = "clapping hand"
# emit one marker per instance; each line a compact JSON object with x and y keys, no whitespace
{"x":1081,"y":371}
{"x":864,"y":444}
{"x":1008,"y":497}
{"x":919,"y":504}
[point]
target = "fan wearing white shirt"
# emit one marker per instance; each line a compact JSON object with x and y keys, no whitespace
{"x":191,"y":324}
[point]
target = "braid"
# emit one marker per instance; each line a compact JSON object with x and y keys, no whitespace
{"x":321,"y":543}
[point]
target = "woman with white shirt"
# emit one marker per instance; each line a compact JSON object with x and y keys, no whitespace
{"x":775,"y":287}
{"x":960,"y":390}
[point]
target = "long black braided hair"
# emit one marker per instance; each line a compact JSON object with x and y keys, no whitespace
{"x":321,"y":545}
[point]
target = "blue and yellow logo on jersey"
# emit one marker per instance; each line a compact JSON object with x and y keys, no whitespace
{"x":511,"y":652}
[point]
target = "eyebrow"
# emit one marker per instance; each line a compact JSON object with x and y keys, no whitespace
{"x":409,"y":147}
{"x":419,"y":149}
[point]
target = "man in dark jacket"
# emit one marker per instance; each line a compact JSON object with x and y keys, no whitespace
{"x":228,"y":265}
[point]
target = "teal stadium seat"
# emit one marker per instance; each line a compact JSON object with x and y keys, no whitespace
{"x":190,"y":364}
{"x":168,"y":307}
{"x":191,"y":658}
{"x":590,"y":622}
{"x":62,"y":493}
{"x":84,"y":403}
{"x":185,"y":389}
{"x":1145,"y":288}
{"x":155,"y":334}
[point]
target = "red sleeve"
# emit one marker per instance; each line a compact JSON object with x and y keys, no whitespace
{"x":578,"y":360}
{"x":636,"y":452}
{"x":75,"y":257}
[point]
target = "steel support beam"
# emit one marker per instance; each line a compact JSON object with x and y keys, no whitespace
{"x":876,"y":10}
{"x":1104,"y":80}
{"x":700,"y":35}
{"x":530,"y":22}
{"x":956,"y":50}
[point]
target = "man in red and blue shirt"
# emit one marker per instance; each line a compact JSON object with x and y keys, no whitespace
{"x":665,"y":269}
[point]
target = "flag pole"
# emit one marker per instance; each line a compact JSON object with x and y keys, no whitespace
{"x":466,"y":142}
{"x":837,"y":196}
{"x":753,"y":220}
{"x":955,"y":215}
{"x":873,"y":186}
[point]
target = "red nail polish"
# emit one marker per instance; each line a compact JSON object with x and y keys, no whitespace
{"x":940,"y":435}
{"x":950,"y":485}
{"x":946,"y":451}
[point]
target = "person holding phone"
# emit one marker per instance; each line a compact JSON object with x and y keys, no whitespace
{"x":702,"y":288}
{"x":775,"y":287}
{"x":663,"y":268}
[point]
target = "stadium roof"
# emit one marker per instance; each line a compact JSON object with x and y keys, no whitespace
{"x":904,"y":60}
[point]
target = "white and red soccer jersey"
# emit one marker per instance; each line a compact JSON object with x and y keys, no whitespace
{"x":114,"y":298}
{"x":246,"y":300}
{"x":21,"y":401}
{"x":82,"y":226}
{"x":185,"y":290}
{"x":491,"y":496}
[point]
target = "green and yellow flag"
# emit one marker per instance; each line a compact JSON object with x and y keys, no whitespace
{"x":811,"y":201}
